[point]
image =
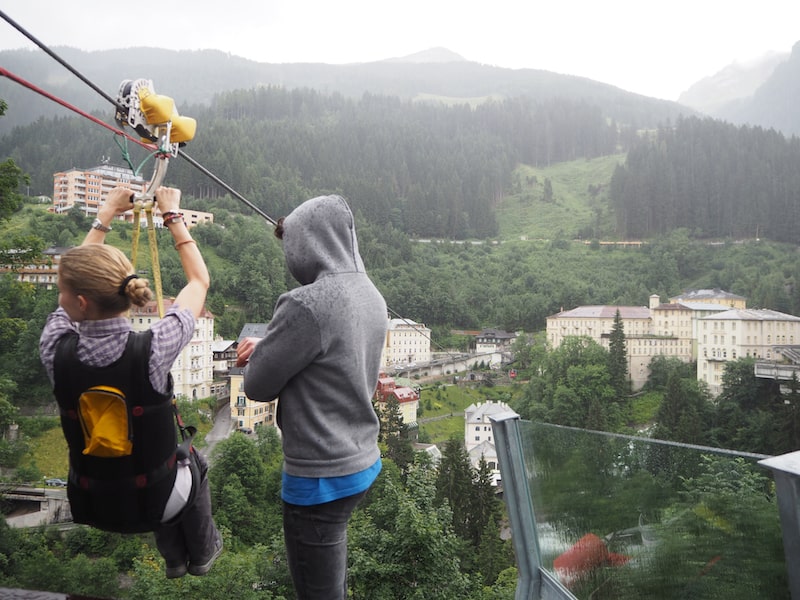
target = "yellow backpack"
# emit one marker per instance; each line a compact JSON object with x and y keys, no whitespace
{"x":103,"y":414}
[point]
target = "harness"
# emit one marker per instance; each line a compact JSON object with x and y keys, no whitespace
{"x":122,"y":438}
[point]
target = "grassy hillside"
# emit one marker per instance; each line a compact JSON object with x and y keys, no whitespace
{"x":579,"y":206}
{"x":441,"y":414}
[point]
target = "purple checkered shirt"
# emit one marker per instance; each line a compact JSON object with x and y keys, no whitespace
{"x":102,"y":342}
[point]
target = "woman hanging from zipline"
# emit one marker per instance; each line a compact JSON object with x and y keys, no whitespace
{"x":128,"y":472}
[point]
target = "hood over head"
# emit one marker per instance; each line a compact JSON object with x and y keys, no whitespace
{"x":319,"y":238}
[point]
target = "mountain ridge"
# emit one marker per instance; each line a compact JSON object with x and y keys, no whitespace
{"x":744,"y":93}
{"x":760,"y":94}
{"x":437,"y":54}
{"x":734,"y":82}
{"x":195,"y":77}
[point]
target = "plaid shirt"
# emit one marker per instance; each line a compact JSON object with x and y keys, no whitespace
{"x":102,"y":342}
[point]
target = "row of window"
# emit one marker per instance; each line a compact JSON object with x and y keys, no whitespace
{"x":783,"y":325}
{"x":723,"y":353}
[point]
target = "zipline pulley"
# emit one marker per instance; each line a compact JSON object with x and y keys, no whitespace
{"x":156,"y":120}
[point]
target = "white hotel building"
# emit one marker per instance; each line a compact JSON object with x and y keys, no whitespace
{"x":407,"y":344}
{"x":707,"y":326}
{"x":740,"y":333}
{"x":193,"y":370}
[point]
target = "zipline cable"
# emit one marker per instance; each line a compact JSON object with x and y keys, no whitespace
{"x":8,"y":74}
{"x":151,"y":147}
{"x":117,"y":106}
{"x":210,"y":175}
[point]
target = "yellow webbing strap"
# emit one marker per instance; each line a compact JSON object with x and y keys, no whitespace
{"x":151,"y":236}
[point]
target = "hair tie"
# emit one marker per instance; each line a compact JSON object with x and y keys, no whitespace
{"x":125,"y":283}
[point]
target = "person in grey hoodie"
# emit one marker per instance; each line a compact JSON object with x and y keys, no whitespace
{"x":320,"y":356}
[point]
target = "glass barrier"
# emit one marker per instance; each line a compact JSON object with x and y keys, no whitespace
{"x":621,"y":517}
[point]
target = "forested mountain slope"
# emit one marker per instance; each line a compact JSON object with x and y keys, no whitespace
{"x":430,"y":170}
{"x":435,"y":170}
{"x":195,"y":77}
{"x":717,"y":180}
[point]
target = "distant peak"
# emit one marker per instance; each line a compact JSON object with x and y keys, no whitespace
{"x":431,"y":55}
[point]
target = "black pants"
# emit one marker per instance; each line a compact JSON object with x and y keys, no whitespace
{"x":316,"y":547}
{"x":192,"y":537}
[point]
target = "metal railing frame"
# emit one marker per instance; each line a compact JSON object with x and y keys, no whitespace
{"x":786,"y":472}
{"x":533,"y":582}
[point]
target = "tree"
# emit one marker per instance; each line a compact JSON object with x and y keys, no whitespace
{"x":492,"y":553}
{"x":662,"y":366}
{"x":684,"y":412}
{"x":394,"y":432}
{"x":239,"y":575}
{"x":244,"y":493}
{"x":572,"y":387}
{"x":11,"y":177}
{"x":392,"y":424}
{"x":528,"y":355}
{"x":788,"y":437}
{"x":547,"y":191}
{"x":454,"y":486}
{"x":749,"y":411}
{"x":402,"y":545}
{"x":618,"y":358}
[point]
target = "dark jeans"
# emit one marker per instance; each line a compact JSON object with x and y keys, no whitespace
{"x":192,"y":537}
{"x":316,"y":547}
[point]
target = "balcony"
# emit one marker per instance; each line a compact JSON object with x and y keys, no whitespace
{"x":600,"y":516}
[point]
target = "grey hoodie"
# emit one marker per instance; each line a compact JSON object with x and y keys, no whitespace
{"x":321,"y":352}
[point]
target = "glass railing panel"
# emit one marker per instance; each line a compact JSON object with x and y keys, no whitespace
{"x":622,"y":517}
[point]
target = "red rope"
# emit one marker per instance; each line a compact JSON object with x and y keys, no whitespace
{"x":30,"y":86}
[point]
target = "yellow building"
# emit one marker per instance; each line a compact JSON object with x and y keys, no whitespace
{"x":711,"y":296}
{"x":596,"y":322}
{"x":245,"y":413}
{"x":248,"y":414}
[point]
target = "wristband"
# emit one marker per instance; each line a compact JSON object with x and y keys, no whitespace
{"x":98,"y":224}
{"x":171,"y":217}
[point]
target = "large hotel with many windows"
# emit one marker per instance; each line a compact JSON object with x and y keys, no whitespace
{"x":707,"y":326}
{"x":86,"y":190}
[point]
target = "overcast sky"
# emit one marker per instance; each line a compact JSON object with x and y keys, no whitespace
{"x":653,"y":47}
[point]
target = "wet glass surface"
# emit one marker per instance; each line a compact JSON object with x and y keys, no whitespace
{"x":630,"y":518}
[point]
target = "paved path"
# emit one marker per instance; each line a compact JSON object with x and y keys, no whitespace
{"x":221,"y":429}
{"x":459,"y":413}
